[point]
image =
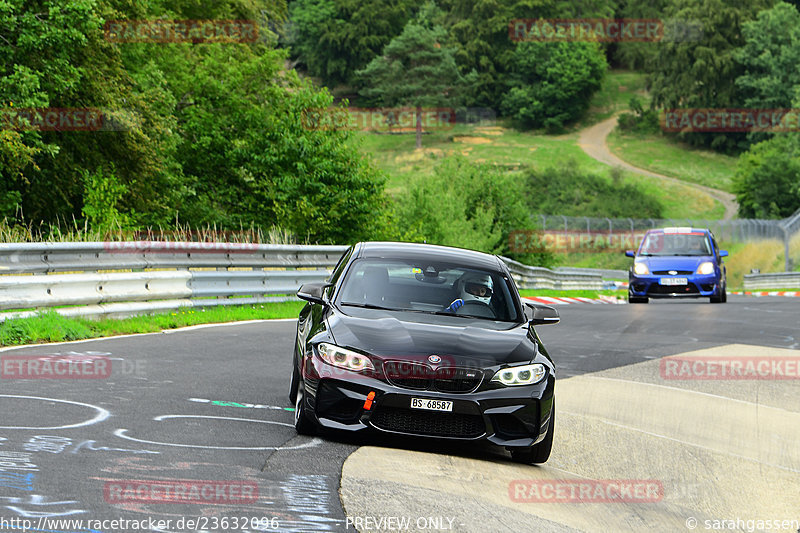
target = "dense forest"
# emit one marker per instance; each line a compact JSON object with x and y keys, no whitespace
{"x":211,"y":130}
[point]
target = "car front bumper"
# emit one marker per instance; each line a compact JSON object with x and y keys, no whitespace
{"x":509,"y":416}
{"x":697,"y":286}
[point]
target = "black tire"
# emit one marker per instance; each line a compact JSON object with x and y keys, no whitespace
{"x":302,"y":424}
{"x":294,"y":381}
{"x":538,"y":453}
{"x":722,"y":298}
{"x":637,"y":300}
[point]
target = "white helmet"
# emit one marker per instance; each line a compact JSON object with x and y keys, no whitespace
{"x":475,"y":286}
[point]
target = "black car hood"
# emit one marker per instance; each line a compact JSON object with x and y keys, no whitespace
{"x":407,"y":335}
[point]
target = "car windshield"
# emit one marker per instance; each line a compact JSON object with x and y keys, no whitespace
{"x":426,"y":287}
{"x":657,"y":244}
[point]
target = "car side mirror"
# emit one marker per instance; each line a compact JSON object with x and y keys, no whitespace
{"x":630,"y":253}
{"x":541,"y":314}
{"x":723,"y":253}
{"x":314,"y":292}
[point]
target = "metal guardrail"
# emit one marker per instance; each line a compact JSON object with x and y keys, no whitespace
{"x":528,"y":277}
{"x":605,"y":273}
{"x":735,"y":230}
{"x":780,"y":280}
{"x":125,"y":278}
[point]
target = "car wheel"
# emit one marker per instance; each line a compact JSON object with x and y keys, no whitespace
{"x":637,"y":300}
{"x":302,"y":424}
{"x":538,"y":453}
{"x":294,"y":381}
{"x":722,"y":298}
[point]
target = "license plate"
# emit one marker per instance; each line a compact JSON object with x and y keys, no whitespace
{"x":674,"y":281}
{"x":431,"y":405}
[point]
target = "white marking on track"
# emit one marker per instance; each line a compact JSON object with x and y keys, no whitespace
{"x":102,"y":414}
{"x":314,"y":442}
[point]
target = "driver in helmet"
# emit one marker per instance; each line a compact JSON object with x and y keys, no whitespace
{"x":472,"y":286}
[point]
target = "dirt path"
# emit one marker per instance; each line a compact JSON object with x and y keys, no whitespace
{"x":592,"y":140}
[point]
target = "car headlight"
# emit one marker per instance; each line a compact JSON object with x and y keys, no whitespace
{"x":336,"y":356}
{"x":640,"y":269}
{"x":520,"y":375}
{"x":706,"y":268}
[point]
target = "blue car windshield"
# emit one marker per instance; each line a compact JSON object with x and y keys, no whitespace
{"x":660,"y":244}
{"x":426,"y":287}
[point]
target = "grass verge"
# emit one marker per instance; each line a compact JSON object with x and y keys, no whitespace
{"x":665,"y":156}
{"x":49,"y":326}
{"x":573,"y":293}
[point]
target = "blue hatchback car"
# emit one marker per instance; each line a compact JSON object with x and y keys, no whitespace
{"x":677,"y":263}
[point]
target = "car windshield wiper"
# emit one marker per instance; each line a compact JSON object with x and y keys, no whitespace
{"x":372,"y":306}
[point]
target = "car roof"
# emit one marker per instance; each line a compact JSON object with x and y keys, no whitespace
{"x":429,"y":252}
{"x":684,"y":229}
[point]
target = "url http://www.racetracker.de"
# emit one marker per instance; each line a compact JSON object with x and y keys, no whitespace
{"x":202,"y":523}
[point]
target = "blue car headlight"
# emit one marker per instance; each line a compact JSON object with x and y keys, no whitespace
{"x":640,"y":269}
{"x":705,"y":268}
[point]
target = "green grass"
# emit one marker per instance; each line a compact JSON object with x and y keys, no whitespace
{"x":49,"y":326}
{"x":511,"y":149}
{"x":788,"y":289}
{"x":614,"y":95}
{"x":573,"y":293}
{"x":678,"y":160}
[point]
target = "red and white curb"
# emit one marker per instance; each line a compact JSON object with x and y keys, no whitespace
{"x":771,"y":293}
{"x":563,"y":300}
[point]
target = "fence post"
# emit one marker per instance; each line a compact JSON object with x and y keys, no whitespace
{"x":786,"y":249}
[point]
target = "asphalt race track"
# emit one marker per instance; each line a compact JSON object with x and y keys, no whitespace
{"x":639,"y":445}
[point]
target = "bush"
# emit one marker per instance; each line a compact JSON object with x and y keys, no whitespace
{"x":470,"y":206}
{"x":641,"y":120}
{"x":568,"y":190}
{"x":551,"y":83}
{"x":767,"y":179}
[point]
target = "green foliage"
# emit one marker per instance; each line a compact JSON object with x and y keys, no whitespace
{"x":551,"y":83}
{"x":102,"y":194}
{"x":770,"y":56}
{"x":467,"y":205}
{"x":567,"y":190}
{"x":767,"y":180}
{"x":480,"y":30}
{"x":416,"y":69}
{"x":641,"y":120}
{"x":335,"y":38}
{"x":702,"y":73}
{"x":639,"y":55}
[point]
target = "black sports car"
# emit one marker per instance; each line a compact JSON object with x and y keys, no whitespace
{"x":424,"y":340}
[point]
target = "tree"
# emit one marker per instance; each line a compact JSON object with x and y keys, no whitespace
{"x":702,"y":73}
{"x":551,"y":83}
{"x":335,"y":38}
{"x":416,"y":69}
{"x":471,"y":206}
{"x":770,"y":57}
{"x":480,"y":30}
{"x":767,"y":179}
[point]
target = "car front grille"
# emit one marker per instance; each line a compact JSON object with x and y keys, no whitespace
{"x":670,"y":272}
{"x":428,"y":423}
{"x":417,"y":376}
{"x":655,"y":288}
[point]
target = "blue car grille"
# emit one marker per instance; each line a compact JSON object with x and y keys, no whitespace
{"x":670,"y":272}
